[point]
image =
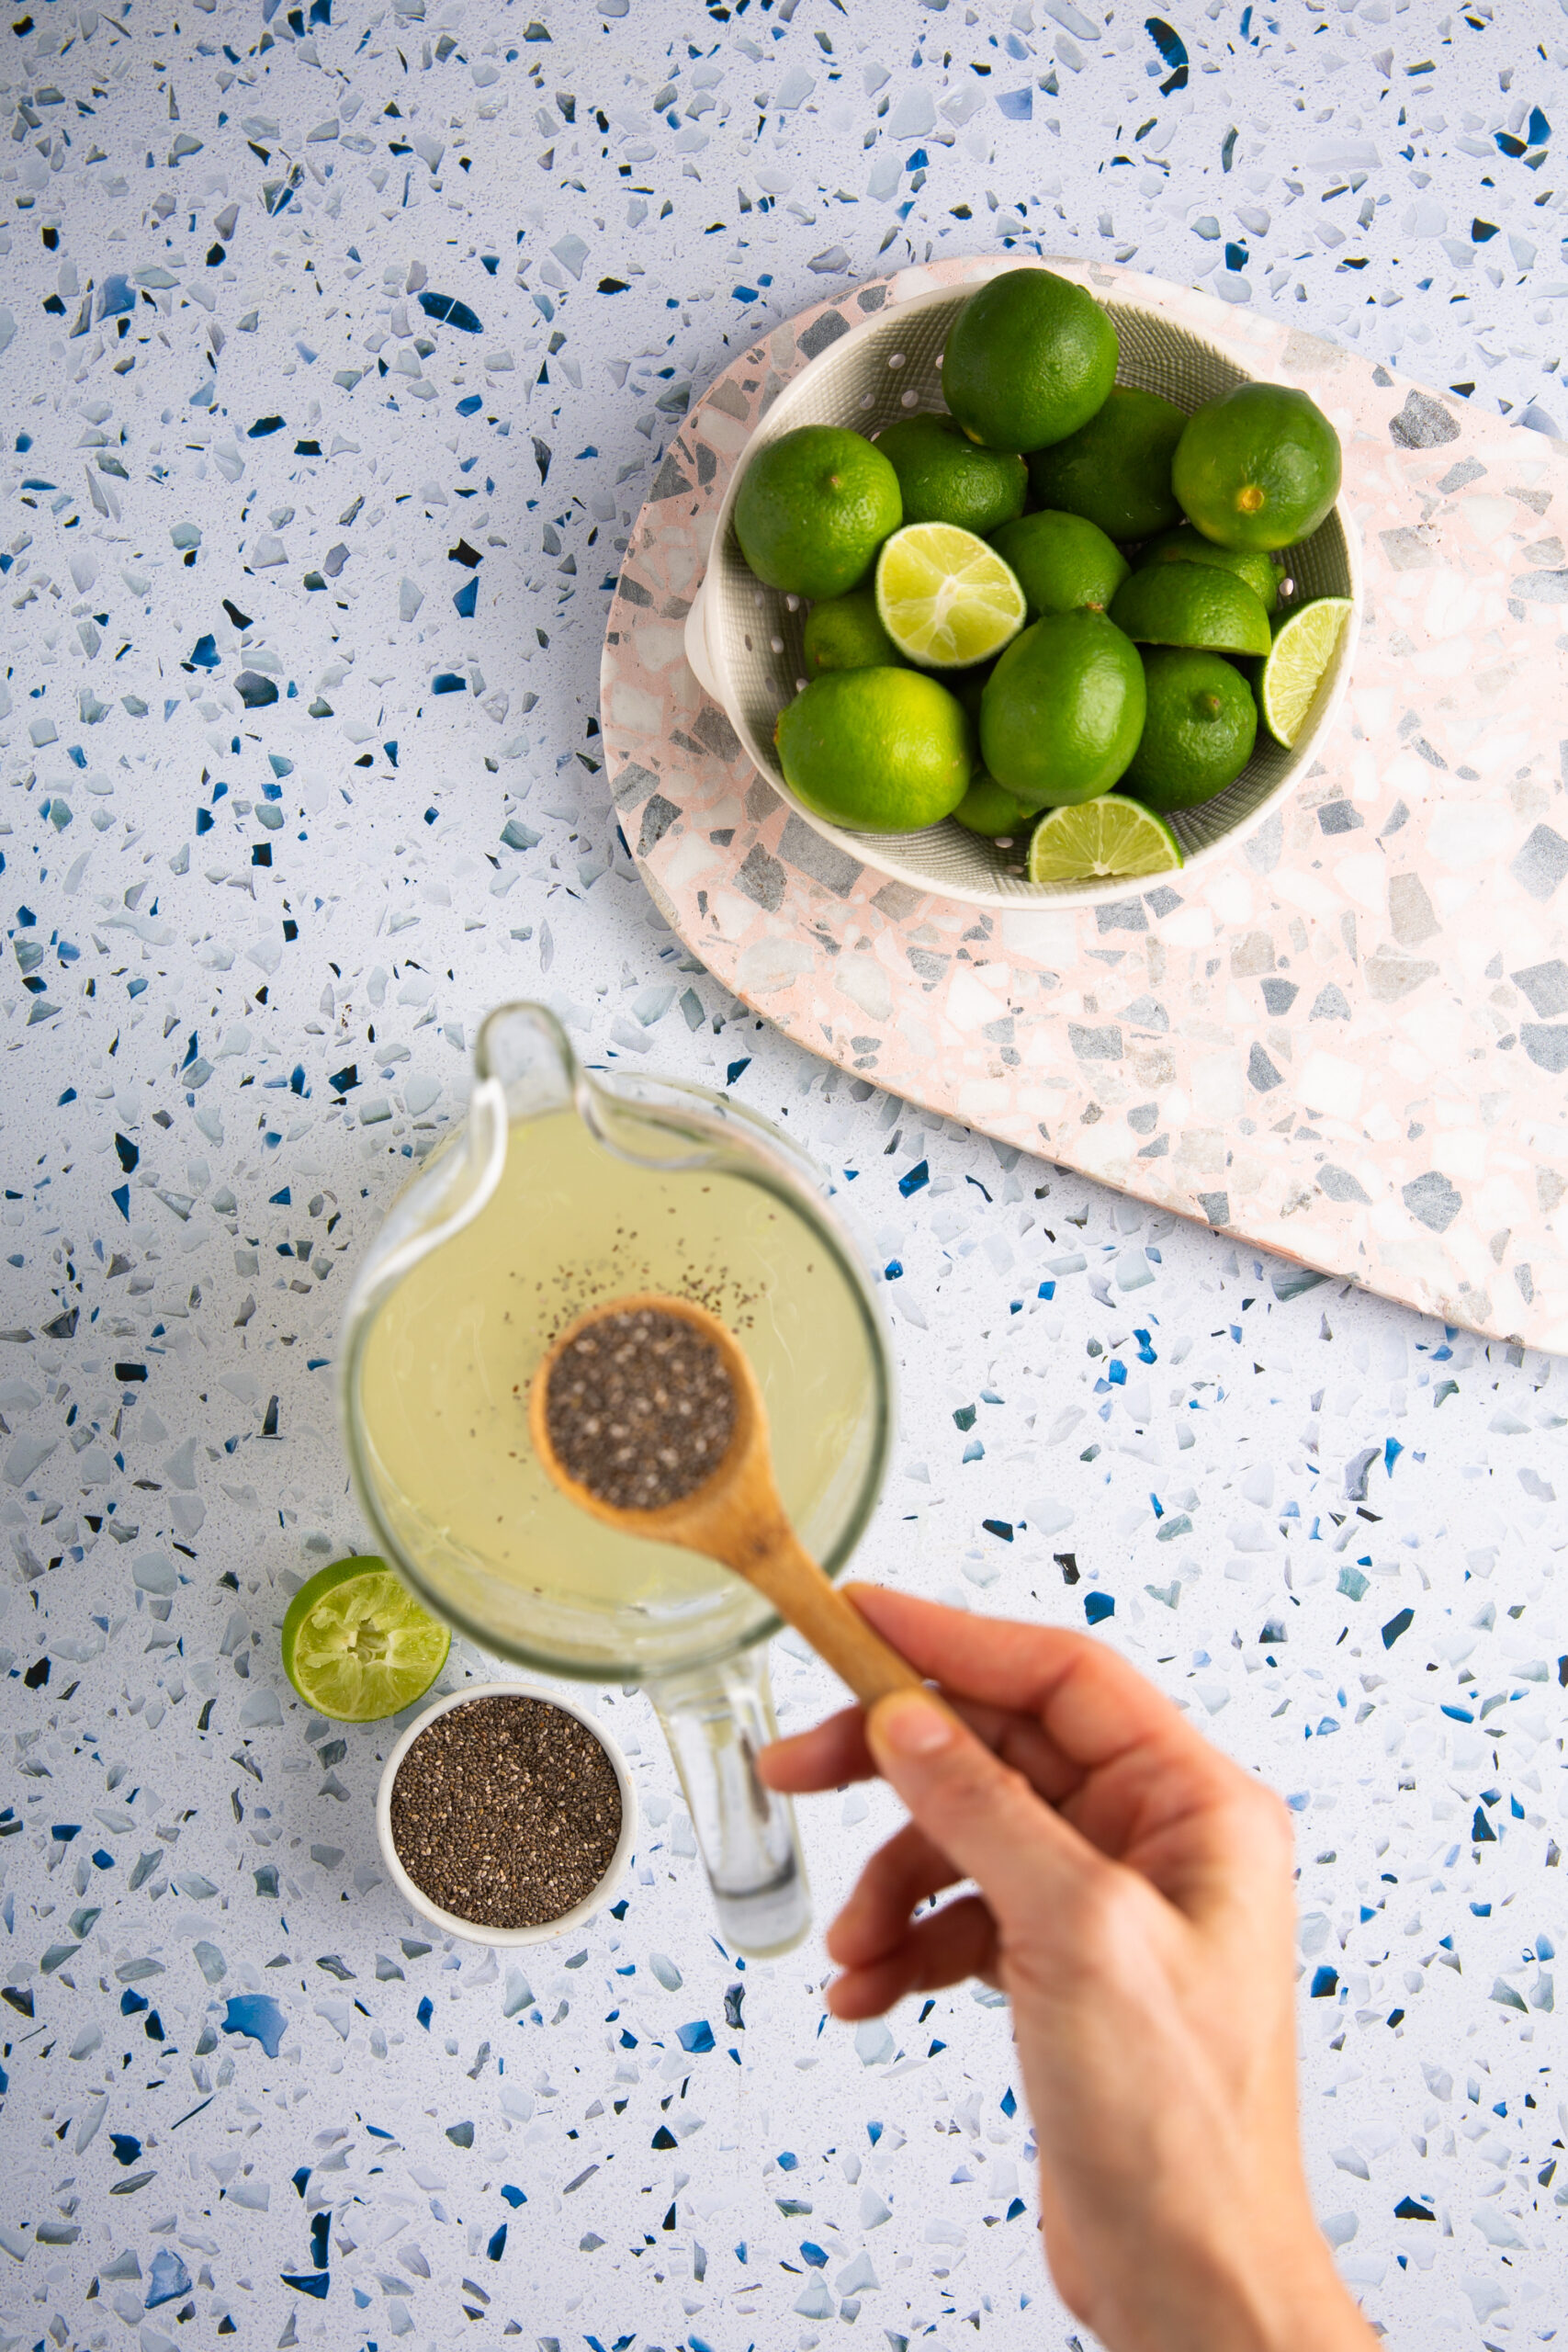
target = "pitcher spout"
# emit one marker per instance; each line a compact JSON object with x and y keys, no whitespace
{"x":523,"y":1049}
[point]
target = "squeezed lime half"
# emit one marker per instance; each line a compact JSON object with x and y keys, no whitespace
{"x":357,"y":1646}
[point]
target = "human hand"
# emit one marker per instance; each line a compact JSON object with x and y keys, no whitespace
{"x":1136,"y":1905}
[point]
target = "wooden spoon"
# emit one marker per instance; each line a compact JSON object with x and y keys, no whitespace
{"x":735,"y":1516}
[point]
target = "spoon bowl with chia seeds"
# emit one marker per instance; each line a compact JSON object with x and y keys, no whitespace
{"x":646,"y":1414}
{"x":506,"y":1814}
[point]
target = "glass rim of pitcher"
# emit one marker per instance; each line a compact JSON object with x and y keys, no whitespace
{"x":800,"y":1185}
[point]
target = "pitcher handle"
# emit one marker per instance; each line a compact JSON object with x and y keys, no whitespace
{"x":717,"y":1719}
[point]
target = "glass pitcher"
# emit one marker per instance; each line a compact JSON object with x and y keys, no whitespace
{"x":564,"y":1188}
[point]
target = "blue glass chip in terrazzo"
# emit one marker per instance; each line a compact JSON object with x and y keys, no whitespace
{"x":258,"y":2016}
{"x":168,"y":2278}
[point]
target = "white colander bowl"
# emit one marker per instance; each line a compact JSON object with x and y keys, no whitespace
{"x":744,"y":640}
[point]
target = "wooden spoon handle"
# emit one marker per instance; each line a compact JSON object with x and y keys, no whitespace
{"x":784,"y":1572}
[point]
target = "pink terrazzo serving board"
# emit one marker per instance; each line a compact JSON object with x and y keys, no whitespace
{"x":1344,"y":1038}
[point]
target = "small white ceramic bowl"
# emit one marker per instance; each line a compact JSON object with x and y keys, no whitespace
{"x":506,"y":1939}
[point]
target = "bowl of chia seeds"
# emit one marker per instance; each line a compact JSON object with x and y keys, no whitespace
{"x":506,"y":1814}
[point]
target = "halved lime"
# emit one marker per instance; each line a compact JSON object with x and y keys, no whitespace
{"x":1185,"y":545}
{"x":1110,"y":835}
{"x":1191,"y":604}
{"x":945,"y":598}
{"x":356,"y":1644}
{"x":1294,"y":668}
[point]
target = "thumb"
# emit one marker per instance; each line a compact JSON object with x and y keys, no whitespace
{"x":1024,"y":1857}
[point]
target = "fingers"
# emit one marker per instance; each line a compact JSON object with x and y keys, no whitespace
{"x":958,"y":1941}
{"x":1126,"y":1767}
{"x":1240,"y":1870}
{"x":1028,"y":1861}
{"x":1171,"y":1809}
{"x":823,"y":1757}
{"x":1091,"y":1702}
{"x":835,"y":1751}
{"x":899,"y":1875}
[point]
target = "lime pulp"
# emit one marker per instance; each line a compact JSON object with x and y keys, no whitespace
{"x":944,"y":597}
{"x":1305,"y":646}
{"x":357,"y":1646}
{"x":1113,"y":835}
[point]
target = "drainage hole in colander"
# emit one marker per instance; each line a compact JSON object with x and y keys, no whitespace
{"x":895,"y":359}
{"x":908,"y":399}
{"x":776,"y":643}
{"x":868,"y":399}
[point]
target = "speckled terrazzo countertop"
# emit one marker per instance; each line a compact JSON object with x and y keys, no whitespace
{"x":339,"y":349}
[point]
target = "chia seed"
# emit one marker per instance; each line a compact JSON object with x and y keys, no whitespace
{"x":639,"y":1409}
{"x":506,"y":1811}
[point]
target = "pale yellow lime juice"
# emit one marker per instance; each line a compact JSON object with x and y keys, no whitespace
{"x":447,"y":1357}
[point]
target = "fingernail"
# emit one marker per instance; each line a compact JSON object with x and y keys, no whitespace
{"x":909,"y":1723}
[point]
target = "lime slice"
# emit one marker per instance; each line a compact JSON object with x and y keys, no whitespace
{"x":1110,"y":835}
{"x":944,"y":597}
{"x":356,"y":1644}
{"x":1297,"y":663}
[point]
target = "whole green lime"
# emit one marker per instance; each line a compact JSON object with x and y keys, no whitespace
{"x":1191,"y":604}
{"x":1063,"y":711}
{"x":813,"y":508}
{"x":845,"y":633}
{"x":1061,"y":561}
{"x":1258,"y":467}
{"x":1184,"y":545}
{"x":879,"y":751}
{"x":1198,"y":732}
{"x":988,"y":808}
{"x":1116,"y":468}
{"x":945,"y":476}
{"x":1029,"y":358}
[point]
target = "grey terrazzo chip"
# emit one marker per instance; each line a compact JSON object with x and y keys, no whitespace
{"x":1546,"y":986}
{"x":1541,"y":862}
{"x":1547,"y":1047}
{"x":801,"y":846}
{"x":1433,"y":1200}
{"x":1423,"y":424}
